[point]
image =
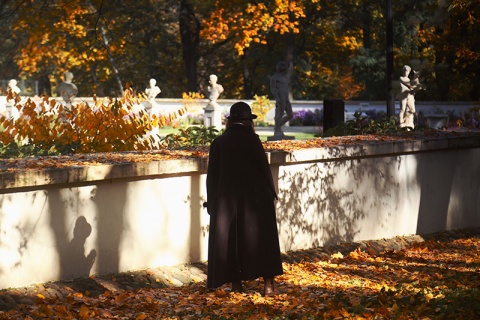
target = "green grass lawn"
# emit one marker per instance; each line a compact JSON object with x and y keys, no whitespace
{"x":167,"y":130}
{"x":297,"y":135}
{"x":263,"y":135}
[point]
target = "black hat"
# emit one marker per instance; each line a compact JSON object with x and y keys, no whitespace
{"x":241,"y":111}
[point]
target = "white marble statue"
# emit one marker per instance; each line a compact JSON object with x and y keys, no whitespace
{"x":407,"y":96}
{"x":415,"y":82}
{"x":12,"y":85}
{"x":67,"y":89}
{"x":214,"y":90}
{"x":152,"y":92}
{"x":9,"y":110}
{"x":213,"y":112}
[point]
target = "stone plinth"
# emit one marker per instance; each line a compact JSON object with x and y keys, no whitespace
{"x":213,"y":116}
{"x":280,"y":137}
{"x":436,"y":121}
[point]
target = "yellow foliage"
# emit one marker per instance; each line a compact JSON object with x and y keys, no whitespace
{"x":260,"y":107}
{"x":190,"y":102}
{"x":108,"y":125}
{"x":251,"y":22}
{"x":192,"y":95}
{"x":349,"y":42}
{"x":58,"y":34}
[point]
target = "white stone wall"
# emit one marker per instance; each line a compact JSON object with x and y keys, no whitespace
{"x":133,"y":225}
{"x":380,"y":197}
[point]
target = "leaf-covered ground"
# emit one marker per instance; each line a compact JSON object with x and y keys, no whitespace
{"x":435,"y":278}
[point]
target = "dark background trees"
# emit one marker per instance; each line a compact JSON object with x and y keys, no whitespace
{"x":337,"y":48}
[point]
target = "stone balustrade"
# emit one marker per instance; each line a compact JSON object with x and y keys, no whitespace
{"x":171,"y":105}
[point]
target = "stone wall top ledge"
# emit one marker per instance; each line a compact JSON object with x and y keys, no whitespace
{"x":36,"y":179}
{"x":373,"y":148}
{"x":103,"y":172}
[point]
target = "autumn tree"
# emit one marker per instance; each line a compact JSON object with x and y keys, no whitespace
{"x":361,"y":23}
{"x":103,"y":43}
{"x":452,"y":39}
{"x":10,"y":45}
{"x":309,"y":34}
{"x":243,"y":25}
{"x":147,"y":35}
{"x":325,"y":48}
{"x":337,"y":48}
{"x":60,"y":36}
{"x":189,"y":26}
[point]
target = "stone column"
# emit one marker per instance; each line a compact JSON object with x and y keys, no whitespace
{"x":213,"y":116}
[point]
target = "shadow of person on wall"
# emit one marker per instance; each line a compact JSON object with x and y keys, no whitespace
{"x":74,"y":261}
{"x":71,"y":253}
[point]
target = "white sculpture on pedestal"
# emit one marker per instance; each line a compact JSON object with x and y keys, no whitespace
{"x":407,"y":96}
{"x":12,"y":85}
{"x":152,"y":92}
{"x":67,"y":89}
{"x":214,"y":89}
{"x":212,"y":110}
{"x":10,"y":110}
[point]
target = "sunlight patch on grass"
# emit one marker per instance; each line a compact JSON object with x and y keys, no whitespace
{"x":262,"y":134}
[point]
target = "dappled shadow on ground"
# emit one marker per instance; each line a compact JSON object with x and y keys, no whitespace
{"x":436,"y":277}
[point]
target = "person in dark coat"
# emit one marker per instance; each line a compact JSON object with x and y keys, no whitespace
{"x":243,"y":237}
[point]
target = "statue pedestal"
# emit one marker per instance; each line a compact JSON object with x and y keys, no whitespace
{"x":8,"y":111}
{"x":213,"y":116}
{"x":436,"y":121}
{"x":152,"y":108}
{"x":280,"y":137}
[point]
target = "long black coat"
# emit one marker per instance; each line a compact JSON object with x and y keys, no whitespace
{"x":243,"y":237}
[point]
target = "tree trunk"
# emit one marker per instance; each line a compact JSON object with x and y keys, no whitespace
{"x":111,"y":59}
{"x":98,"y":85}
{"x":103,"y":34}
{"x":289,"y":57}
{"x":367,"y":24}
{"x":190,"y":36}
{"x":44,"y":86}
{"x":443,"y":61}
{"x":247,"y":83}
